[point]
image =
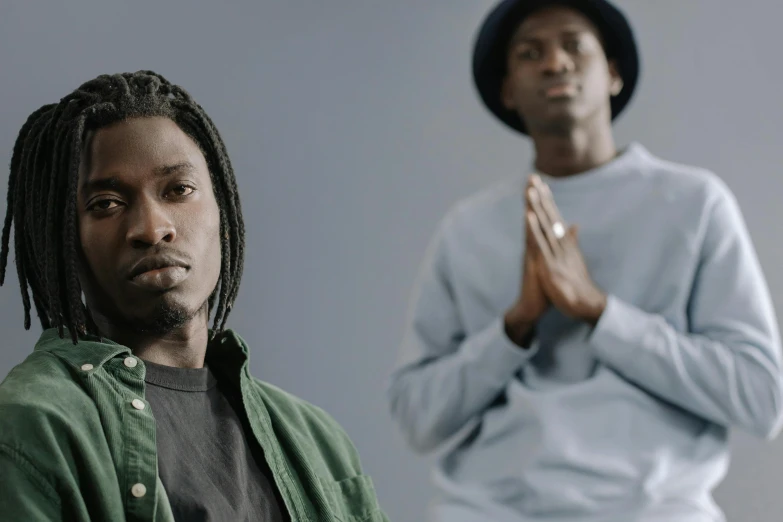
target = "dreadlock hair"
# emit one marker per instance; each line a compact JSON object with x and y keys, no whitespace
{"x":42,"y":189}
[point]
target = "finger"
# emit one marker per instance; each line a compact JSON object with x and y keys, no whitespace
{"x":544,"y":273}
{"x":548,"y":202}
{"x":529,"y":238}
{"x":529,"y":189}
{"x":532,"y":230}
{"x":543,"y":247}
{"x":571,"y":243}
{"x":545,"y":224}
{"x":531,"y":181}
{"x":526,"y":193}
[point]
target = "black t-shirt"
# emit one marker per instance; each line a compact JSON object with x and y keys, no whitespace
{"x":210,"y":464}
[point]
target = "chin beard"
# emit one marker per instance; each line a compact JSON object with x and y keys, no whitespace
{"x":166,"y":318}
{"x":561,"y":126}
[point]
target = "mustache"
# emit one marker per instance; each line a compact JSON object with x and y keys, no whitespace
{"x":558,"y":81}
{"x":155,"y":261}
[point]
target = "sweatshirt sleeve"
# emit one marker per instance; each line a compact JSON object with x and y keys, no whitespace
{"x":446,"y":378}
{"x":727,"y":367}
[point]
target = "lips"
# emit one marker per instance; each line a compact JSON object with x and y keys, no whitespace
{"x":560,"y":90}
{"x":158,"y":262}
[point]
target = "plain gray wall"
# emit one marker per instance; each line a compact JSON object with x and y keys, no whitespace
{"x":353,"y":126}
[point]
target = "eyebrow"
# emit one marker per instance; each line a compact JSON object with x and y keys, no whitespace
{"x":113,"y":182}
{"x":184,"y":166}
{"x":568,"y":31}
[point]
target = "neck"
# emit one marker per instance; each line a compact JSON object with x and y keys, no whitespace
{"x":573,"y":151}
{"x":182,"y":347}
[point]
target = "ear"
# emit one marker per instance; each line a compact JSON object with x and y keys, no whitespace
{"x":615,"y":80}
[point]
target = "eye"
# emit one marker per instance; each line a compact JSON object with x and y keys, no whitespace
{"x":576,"y":46}
{"x":103,"y":205}
{"x":182,"y":190}
{"x":528,"y":53}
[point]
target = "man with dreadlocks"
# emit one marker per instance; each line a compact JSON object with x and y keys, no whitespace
{"x":128,"y":234}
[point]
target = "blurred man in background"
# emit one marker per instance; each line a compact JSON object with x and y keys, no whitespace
{"x":581,"y":339}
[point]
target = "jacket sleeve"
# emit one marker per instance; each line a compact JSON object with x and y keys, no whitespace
{"x":334,"y":472}
{"x":25,"y":493}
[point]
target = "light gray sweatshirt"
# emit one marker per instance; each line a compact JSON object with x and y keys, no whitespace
{"x":623,"y":422}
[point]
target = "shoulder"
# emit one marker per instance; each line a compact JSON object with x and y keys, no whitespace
{"x":699,"y":186}
{"x":42,"y":417}
{"x":489,"y":203}
{"x":316,"y":433}
{"x":40,"y":400}
{"x":476,"y":214}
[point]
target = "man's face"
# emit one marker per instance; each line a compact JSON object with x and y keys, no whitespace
{"x":149,"y":225}
{"x":557,"y":72}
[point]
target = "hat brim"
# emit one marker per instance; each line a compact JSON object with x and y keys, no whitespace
{"x":490,"y":50}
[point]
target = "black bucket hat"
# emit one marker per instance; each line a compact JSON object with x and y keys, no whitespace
{"x":490,"y":50}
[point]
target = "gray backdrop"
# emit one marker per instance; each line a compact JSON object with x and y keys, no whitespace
{"x":353,"y":126}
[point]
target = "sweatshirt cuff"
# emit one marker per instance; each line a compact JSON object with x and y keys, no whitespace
{"x":619,"y":335}
{"x":500,"y":354}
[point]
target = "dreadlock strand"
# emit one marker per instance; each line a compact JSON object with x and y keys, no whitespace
{"x":225,"y":282}
{"x":16,"y":160}
{"x":203,"y":133}
{"x":75,"y":315}
{"x":229,"y":179}
{"x":21,"y":253}
{"x":22,"y":241}
{"x":229,"y":188}
{"x":53,"y":246}
{"x":38,"y":198}
{"x":21,"y":264}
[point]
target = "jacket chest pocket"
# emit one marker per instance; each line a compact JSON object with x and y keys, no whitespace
{"x":353,"y":499}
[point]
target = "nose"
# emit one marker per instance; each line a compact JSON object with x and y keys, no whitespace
{"x":556,"y":61}
{"x":149,"y":225}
